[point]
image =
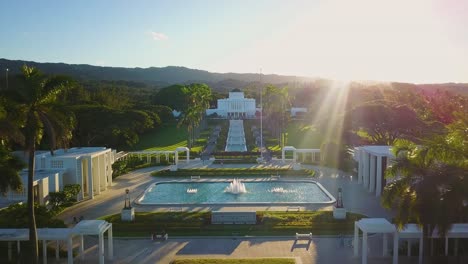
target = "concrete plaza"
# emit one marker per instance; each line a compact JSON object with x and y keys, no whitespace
{"x":318,"y":250}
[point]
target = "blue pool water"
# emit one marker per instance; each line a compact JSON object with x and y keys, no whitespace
{"x":257,"y":192}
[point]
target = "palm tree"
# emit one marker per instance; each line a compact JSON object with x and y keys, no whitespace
{"x":430,"y":187}
{"x":41,"y":115}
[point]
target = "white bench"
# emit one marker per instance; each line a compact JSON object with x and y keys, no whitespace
{"x":194,"y":177}
{"x":277,"y":177}
{"x":303,"y":236}
{"x":161,"y":236}
{"x":293,"y":208}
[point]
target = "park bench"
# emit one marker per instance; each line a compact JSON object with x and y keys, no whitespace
{"x":159,"y":236}
{"x":293,"y":208}
{"x":303,"y":236}
{"x":275,"y":177}
{"x":194,"y":177}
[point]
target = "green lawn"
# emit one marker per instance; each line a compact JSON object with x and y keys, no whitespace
{"x":198,"y":224}
{"x":299,"y":134}
{"x":170,"y":137}
{"x":235,"y":261}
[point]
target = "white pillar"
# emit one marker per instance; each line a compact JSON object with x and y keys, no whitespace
{"x":356,"y":240}
{"x":282,"y":154}
{"x":176,"y":157}
{"x":81,"y":247}
{"x":90,"y":179}
{"x":110,"y":243}
{"x":294,"y":156}
{"x":97,"y":177}
{"x":379,"y":176}
{"x":360,"y":166}
{"x":446,"y":246}
{"x":10,"y":254}
{"x":188,"y":156}
{"x":366,"y":170}
{"x":420,"y":249}
{"x":409,"y":247}
{"x":44,"y":251}
{"x":372,"y":173}
{"x":70,"y":250}
{"x":57,"y":249}
{"x":395,"y":247}
{"x":364,"y":247}
{"x":101,"y":248}
{"x":385,"y":245}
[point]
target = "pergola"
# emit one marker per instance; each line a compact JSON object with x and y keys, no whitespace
{"x":313,"y":152}
{"x":158,"y":154}
{"x":375,"y":225}
{"x":373,"y":161}
{"x":85,"y":227}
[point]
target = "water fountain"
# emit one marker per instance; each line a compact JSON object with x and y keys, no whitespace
{"x":236,"y":187}
{"x":192,"y":190}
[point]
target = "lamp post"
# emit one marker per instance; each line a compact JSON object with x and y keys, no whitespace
{"x":6,"y":73}
{"x":127,"y":199}
{"x":261,"y":116}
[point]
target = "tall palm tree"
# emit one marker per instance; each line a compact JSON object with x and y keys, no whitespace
{"x":41,"y":116}
{"x":429,"y":187}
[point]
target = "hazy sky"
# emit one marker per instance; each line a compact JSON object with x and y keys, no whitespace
{"x":395,"y":40}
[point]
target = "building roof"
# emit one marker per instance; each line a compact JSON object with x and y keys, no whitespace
{"x":75,"y":152}
{"x":379,"y":150}
{"x":375,"y":225}
{"x":41,"y":174}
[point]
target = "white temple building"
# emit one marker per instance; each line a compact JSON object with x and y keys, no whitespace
{"x":235,"y":107}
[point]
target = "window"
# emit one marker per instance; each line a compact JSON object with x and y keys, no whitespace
{"x":56,"y":164}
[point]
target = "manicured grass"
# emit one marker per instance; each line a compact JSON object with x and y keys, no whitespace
{"x":235,"y":261}
{"x":198,"y":224}
{"x":235,"y":172}
{"x":303,"y":135}
{"x":170,"y":137}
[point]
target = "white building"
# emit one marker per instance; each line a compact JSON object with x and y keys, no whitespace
{"x":372,"y":163}
{"x":235,"y":107}
{"x":91,"y":167}
{"x":295,"y":111}
{"x":45,"y":181}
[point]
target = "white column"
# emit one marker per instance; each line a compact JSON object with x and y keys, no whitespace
{"x":364,"y":247}
{"x":10,"y":254}
{"x":360,"y":166}
{"x":101,"y":248}
{"x":356,"y":240}
{"x":57,"y":249}
{"x":379,"y":176}
{"x":294,"y":156}
{"x":282,"y":155}
{"x":446,"y":246}
{"x":395,"y":247}
{"x":372,"y":173}
{"x":420,"y":249}
{"x":188,"y":156}
{"x":44,"y":251}
{"x":90,"y":179}
{"x":98,"y":175}
{"x":70,"y":250}
{"x":366,"y":170}
{"x":110,"y":243}
{"x":176,"y":157}
{"x":409,"y":247}
{"x":385,"y":245}
{"x":81,"y":247}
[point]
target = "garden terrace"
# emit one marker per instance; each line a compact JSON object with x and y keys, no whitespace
{"x":269,"y":223}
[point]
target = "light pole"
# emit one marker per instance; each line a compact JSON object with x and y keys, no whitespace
{"x":261,"y":116}
{"x":6,"y":73}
